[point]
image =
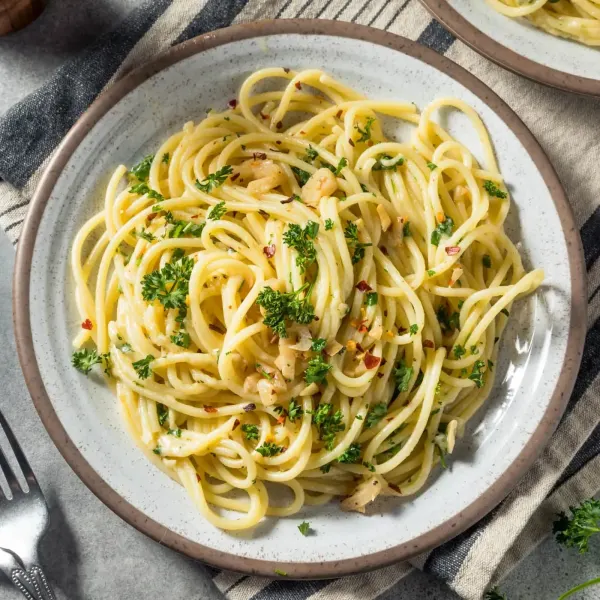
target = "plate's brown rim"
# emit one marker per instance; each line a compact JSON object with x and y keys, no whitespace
{"x":505,"y":57}
{"x":489,"y":499}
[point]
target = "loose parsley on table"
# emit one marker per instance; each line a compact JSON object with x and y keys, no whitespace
{"x":304,"y":528}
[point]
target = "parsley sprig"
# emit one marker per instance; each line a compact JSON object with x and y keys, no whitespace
{"x":83,"y":360}
{"x":215,"y":180}
{"x":169,"y":285}
{"x":575,"y":531}
{"x":443,"y":228}
{"x":141,"y":171}
{"x":351,"y":235}
{"x":142,"y":366}
{"x":301,"y":240}
{"x":281,"y":307}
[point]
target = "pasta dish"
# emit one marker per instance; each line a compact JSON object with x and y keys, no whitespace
{"x":574,"y":19}
{"x":282,"y":297}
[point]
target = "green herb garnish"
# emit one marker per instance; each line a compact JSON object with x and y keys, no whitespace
{"x":301,"y":240}
{"x":181,"y":338}
{"x":281,"y":306}
{"x":214,"y":180}
{"x":493,"y":190}
{"x":375,"y":414}
{"x":443,"y":228}
{"x":142,"y":366}
{"x":351,"y":235}
{"x":251,"y":432}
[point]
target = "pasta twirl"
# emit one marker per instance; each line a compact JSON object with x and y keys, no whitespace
{"x":282,"y":297}
{"x":574,"y":19}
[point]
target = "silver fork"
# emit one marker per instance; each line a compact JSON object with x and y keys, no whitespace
{"x":23,"y":521}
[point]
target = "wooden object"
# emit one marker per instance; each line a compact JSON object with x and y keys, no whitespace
{"x":16,"y":14}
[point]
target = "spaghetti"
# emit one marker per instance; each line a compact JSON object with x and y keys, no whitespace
{"x":574,"y":19}
{"x":283,"y":297}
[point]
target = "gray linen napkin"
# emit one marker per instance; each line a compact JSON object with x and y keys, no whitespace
{"x":567,"y":127}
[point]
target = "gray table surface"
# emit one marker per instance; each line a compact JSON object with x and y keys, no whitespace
{"x":89,"y":553}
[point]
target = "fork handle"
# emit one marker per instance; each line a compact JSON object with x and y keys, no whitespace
{"x":32,"y":584}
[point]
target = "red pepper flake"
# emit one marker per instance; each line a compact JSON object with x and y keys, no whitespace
{"x":210,"y":409}
{"x":380,"y":375}
{"x":428,"y":344}
{"x":215,"y":328}
{"x":286,"y":70}
{"x":232,"y":103}
{"x":279,"y":125}
{"x":384,"y":250}
{"x":250,"y":407}
{"x":263,"y":116}
{"x":363,"y":286}
{"x":360,"y":325}
{"x":151,"y":216}
{"x":287,"y":200}
{"x":269,"y":251}
{"x":452,"y":250}
{"x":87,"y":324}
{"x":383,"y":361}
{"x":234,"y":177}
{"x":259,"y":156}
{"x":394,"y":487}
{"x":274,"y":339}
{"x":370,"y":143}
{"x":236,"y":424}
{"x":351,"y":142}
{"x":371,"y":361}
{"x":278,"y":142}
{"x":281,"y":419}
{"x":317,"y":319}
{"x":298,"y":85}
{"x":303,"y":133}
{"x":198,"y":478}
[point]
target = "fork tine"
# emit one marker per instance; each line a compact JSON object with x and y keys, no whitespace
{"x":21,"y":460}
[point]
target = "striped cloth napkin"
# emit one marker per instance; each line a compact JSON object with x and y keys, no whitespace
{"x":568,"y":471}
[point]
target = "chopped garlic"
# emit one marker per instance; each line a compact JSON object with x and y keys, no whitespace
{"x":321,"y":183}
{"x":385,"y":219}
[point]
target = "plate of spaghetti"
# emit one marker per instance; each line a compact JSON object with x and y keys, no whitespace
{"x":555,"y":42}
{"x":261,"y":304}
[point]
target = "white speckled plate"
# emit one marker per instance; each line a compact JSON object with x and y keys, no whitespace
{"x":539,"y":357}
{"x":519,"y":46}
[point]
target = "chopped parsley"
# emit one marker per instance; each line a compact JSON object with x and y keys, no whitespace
{"x":181,"y":228}
{"x":162,"y":412}
{"x":318,"y":345}
{"x":459,"y":351}
{"x":365,"y":134}
{"x":448,"y":322}
{"x":301,"y":175}
{"x":351,"y":234}
{"x":301,"y":240}
{"x":317,"y":370}
{"x":217,"y":211}
{"x":385,"y":162}
{"x":413,"y":329}
{"x":269,"y":449}
{"x":157,"y":450}
{"x":443,"y":228}
{"x":371,"y":298}
{"x":486,"y":261}
{"x":145,"y":235}
{"x":406,"y":229}
{"x":304,"y":528}
{"x":311,"y":154}
{"x":352,"y":455}
{"x":281,"y":306}
{"x":477,"y":375}
{"x":174,"y":432}
{"x":328,"y":224}
{"x":169,"y":285}
{"x":83,"y":360}
{"x":328,"y":424}
{"x":493,"y":190}
{"x":142,"y":188}
{"x":141,"y":171}
{"x":181,"y":338}
{"x":375,"y":414}
{"x":337,"y":170}
{"x":431,"y":166}
{"x":430,"y":272}
{"x":295,"y":411}
{"x":126,"y":348}
{"x":214,"y":180}
{"x":251,"y":432}
{"x":280,"y":572}
{"x":402,"y":375}
{"x":142,"y":366}
{"x":166,"y":158}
